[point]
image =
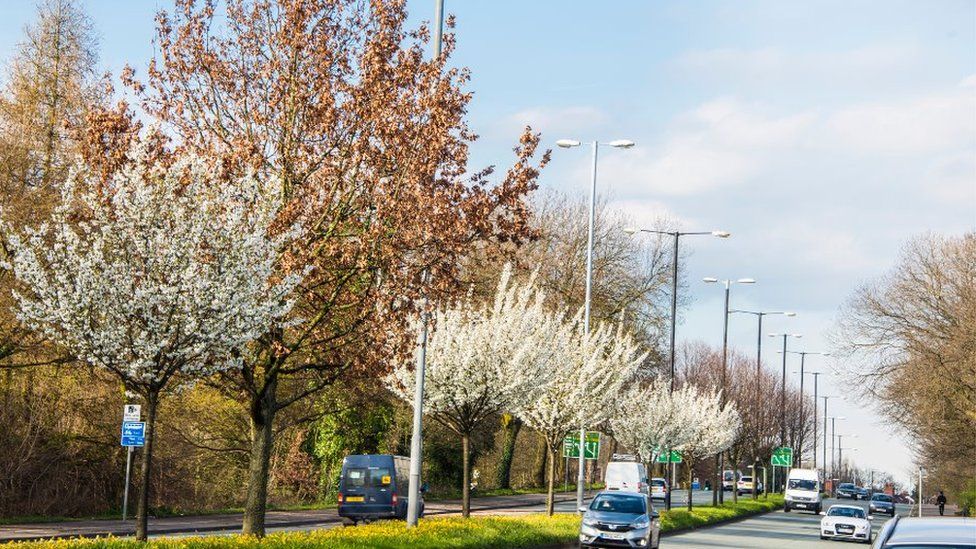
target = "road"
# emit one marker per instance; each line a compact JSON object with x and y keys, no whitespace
{"x":796,"y":530}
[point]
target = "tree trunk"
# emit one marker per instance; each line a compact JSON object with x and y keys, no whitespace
{"x":466,"y":466}
{"x":551,"y":488}
{"x":540,"y":464}
{"x":716,"y":486}
{"x":262,"y":412}
{"x":691,"y":474}
{"x":755,"y":480}
{"x":142,"y":509}
{"x":735,"y":486}
{"x":511,"y":425}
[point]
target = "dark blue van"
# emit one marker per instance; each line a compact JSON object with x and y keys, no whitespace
{"x":374,"y":487}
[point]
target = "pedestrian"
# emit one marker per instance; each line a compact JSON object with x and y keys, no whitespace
{"x":941,"y":500}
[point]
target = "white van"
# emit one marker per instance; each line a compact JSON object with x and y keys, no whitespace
{"x":624,"y":473}
{"x":803,"y":491}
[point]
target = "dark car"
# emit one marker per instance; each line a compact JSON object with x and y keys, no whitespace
{"x":927,"y":533}
{"x":620,"y":519}
{"x":374,"y":487}
{"x":846,"y":490}
{"x":882,"y":503}
{"x":863,"y":493}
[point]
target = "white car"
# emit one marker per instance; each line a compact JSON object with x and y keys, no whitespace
{"x":846,"y":522}
{"x":659,"y":488}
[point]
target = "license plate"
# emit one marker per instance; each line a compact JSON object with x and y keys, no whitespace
{"x":354,"y":498}
{"x":614,"y":536}
{"x":845,"y":529}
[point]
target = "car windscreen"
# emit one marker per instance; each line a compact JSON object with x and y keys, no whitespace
{"x":846,"y":512}
{"x":881,"y":497}
{"x":657,"y":482}
{"x":613,"y":503}
{"x":846,"y":487}
{"x":802,"y":484}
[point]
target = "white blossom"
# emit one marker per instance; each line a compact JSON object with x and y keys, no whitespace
{"x":650,"y":420}
{"x":163,"y":270}
{"x":482,"y":358}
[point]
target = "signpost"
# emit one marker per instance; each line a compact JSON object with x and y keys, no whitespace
{"x":675,"y":457}
{"x":591,"y":450}
{"x":782,"y":457}
{"x":133,"y":435}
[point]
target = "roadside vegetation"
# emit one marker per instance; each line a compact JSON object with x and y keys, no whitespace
{"x":537,"y":530}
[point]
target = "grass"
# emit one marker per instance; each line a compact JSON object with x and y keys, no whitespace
{"x":482,"y":532}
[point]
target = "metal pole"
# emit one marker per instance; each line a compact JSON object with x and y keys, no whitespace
{"x":125,"y":493}
{"x":416,"y":441}
{"x":758,"y":390}
{"x":725,"y":354}
{"x":674,"y":316}
{"x":920,"y":492}
{"x":816,"y":377}
{"x":840,"y":453}
{"x":799,"y":450}
{"x":825,"y":438}
{"x":586,"y":305}
{"x":782,"y":399}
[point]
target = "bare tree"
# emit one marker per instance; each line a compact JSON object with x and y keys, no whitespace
{"x":910,"y":344}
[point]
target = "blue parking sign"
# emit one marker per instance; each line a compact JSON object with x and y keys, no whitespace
{"x":133,"y":433}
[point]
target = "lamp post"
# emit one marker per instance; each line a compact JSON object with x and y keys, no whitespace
{"x":759,"y":316}
{"x":566,"y":144}
{"x":833,"y":440}
{"x":416,"y":438}
{"x":824,"y":461}
{"x":799,"y":453}
{"x":674,"y":307}
{"x":782,"y":397}
{"x":718,"y":495}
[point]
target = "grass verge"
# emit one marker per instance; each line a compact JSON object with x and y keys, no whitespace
{"x":482,"y":532}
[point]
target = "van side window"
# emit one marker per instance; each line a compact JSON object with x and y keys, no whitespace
{"x":380,"y":477}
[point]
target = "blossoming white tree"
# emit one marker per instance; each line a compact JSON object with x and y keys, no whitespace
{"x":483,"y":358}
{"x":647,"y":422}
{"x":159,"y":275}
{"x":712,"y":428}
{"x":584,"y":374}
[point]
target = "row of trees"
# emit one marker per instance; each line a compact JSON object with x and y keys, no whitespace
{"x":910,"y":339}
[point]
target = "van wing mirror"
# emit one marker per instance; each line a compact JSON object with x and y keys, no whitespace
{"x":424,"y":488}
{"x":655,"y":514}
{"x":582,"y":509}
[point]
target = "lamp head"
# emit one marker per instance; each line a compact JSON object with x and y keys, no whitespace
{"x":621,"y":143}
{"x":631,"y":230}
{"x":746,"y":281}
{"x":567,"y":143}
{"x":710,"y":279}
{"x":790,"y":313}
{"x":721,"y":234}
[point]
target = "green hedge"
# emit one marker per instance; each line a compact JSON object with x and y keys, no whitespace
{"x":447,"y":532}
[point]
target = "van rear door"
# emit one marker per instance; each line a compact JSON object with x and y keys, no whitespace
{"x":368,"y":490}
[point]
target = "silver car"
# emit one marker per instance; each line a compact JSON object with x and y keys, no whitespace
{"x":882,"y":504}
{"x":927,"y":533}
{"x":620,"y":519}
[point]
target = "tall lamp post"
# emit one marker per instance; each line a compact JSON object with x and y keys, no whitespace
{"x":833,"y":450}
{"x":759,"y":316}
{"x":718,"y":494}
{"x":676,"y":235}
{"x":799,"y":453}
{"x":824,"y":464}
{"x":566,"y":144}
{"x":416,"y":438}
{"x":782,"y":395}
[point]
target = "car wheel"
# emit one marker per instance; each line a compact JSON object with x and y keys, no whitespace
{"x":786,"y":508}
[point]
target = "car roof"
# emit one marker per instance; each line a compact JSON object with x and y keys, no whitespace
{"x":922,"y":531}
{"x":622,"y":493}
{"x":838,"y":506}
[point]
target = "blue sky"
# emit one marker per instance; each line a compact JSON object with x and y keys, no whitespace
{"x":822,"y":134}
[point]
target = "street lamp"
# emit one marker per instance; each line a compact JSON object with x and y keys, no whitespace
{"x":566,"y":144}
{"x":803,"y":357}
{"x":674,"y":300}
{"x":719,"y":495}
{"x":824,"y":464}
{"x":782,"y":397}
{"x":759,"y":315}
{"x":416,"y":438}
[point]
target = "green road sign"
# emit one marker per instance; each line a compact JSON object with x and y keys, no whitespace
{"x":675,"y":457}
{"x":591,"y":449}
{"x":782,"y":457}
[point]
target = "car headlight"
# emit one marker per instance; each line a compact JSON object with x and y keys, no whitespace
{"x":642,"y":522}
{"x":788,"y":498}
{"x":589,"y":521}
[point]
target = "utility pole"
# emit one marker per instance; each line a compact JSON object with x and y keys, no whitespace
{"x":416,"y":439}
